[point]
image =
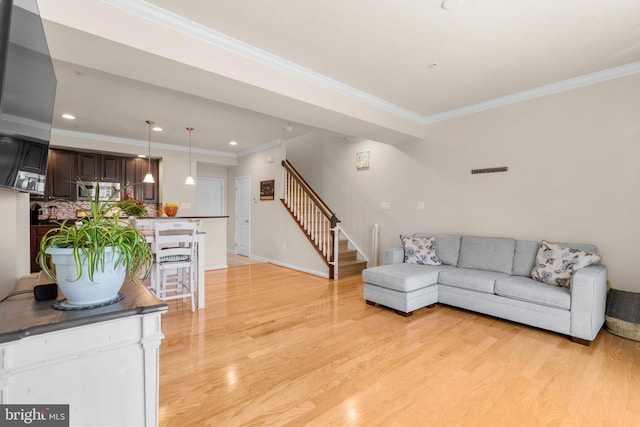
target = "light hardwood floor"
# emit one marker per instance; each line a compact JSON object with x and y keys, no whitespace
{"x":276,"y":347}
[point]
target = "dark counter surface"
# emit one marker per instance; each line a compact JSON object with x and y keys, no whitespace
{"x":21,"y":316}
{"x":185,"y":217}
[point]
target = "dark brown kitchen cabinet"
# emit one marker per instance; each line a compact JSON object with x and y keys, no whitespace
{"x":87,"y":164}
{"x":65,"y":167}
{"x":110,"y":168}
{"x":61,"y":176}
{"x":134,"y":170}
{"x":98,"y":167}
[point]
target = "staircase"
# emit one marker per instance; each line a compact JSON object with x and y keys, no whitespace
{"x":321,"y":226}
{"x":348,"y":264}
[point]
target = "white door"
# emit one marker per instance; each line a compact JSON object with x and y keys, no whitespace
{"x":243,"y":215}
{"x":210,"y":196}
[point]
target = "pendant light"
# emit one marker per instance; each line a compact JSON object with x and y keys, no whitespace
{"x":148,"y":178}
{"x":190,"y":180}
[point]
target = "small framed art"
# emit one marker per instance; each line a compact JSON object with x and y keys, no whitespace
{"x":267,"y":189}
{"x":362,"y":160}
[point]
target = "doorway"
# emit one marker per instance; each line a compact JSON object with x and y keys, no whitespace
{"x":243,"y":215}
{"x":210,"y":196}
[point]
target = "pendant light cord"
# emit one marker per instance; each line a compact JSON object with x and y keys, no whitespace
{"x":150,"y":123}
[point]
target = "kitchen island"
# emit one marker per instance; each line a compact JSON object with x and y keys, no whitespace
{"x":102,"y":362}
{"x":211,"y":251}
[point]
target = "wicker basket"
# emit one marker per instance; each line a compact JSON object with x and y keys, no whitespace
{"x":622,"y":316}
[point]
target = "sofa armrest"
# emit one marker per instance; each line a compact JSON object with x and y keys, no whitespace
{"x":394,"y":256}
{"x":588,"y":301}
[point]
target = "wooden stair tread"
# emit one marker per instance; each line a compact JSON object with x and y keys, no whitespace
{"x":350,"y":267}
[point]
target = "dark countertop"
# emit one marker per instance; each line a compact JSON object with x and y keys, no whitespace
{"x":52,"y":223}
{"x":186,"y":217}
{"x":21,"y":316}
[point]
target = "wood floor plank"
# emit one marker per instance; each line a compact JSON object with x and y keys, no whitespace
{"x":277,"y":347}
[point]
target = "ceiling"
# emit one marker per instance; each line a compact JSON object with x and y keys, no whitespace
{"x":243,"y":70}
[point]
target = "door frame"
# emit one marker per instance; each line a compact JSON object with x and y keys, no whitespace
{"x":248,"y":178}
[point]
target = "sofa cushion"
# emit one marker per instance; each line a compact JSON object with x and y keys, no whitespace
{"x":529,"y":290}
{"x":447,"y":246}
{"x":419,"y":250}
{"x":525,"y":257}
{"x":476,"y":280}
{"x":487,"y":253}
{"x":403,"y":277}
{"x":555,"y":264}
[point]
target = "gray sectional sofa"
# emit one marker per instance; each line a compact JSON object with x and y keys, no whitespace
{"x":492,"y":275}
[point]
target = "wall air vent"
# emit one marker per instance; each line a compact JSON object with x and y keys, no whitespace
{"x":489,"y":170}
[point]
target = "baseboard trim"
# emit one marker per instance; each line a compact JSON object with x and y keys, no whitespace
{"x":215,"y":267}
{"x":291,"y":266}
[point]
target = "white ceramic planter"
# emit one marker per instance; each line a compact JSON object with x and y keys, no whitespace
{"x":105,"y":284}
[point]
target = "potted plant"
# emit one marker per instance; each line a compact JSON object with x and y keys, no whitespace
{"x":132,"y":206}
{"x":90,"y":257}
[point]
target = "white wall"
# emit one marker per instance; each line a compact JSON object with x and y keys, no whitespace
{"x":14,"y":229}
{"x":275,"y":236}
{"x":573,"y":175}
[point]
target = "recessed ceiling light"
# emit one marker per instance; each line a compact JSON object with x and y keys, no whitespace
{"x":233,"y":143}
{"x":68,"y":116}
{"x":157,"y":128}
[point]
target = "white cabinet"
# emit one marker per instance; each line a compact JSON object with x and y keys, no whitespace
{"x":107,"y":371}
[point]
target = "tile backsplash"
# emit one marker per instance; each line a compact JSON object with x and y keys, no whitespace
{"x":68,"y":209}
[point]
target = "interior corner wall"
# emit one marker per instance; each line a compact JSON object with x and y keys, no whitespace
{"x":573,"y":176}
{"x":275,"y":237}
{"x":14,"y":229}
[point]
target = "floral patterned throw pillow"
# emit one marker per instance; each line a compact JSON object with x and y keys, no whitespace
{"x":419,"y":250}
{"x":555,"y":264}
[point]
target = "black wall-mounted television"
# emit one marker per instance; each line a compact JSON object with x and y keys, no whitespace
{"x":27,"y":94}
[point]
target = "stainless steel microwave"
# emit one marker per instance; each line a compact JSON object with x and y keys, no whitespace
{"x":107,"y":190}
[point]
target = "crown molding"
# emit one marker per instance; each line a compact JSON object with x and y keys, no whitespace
{"x":539,"y":92}
{"x":191,"y":28}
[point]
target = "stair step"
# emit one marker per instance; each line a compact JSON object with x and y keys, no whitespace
{"x":347,"y":255}
{"x":349,"y":268}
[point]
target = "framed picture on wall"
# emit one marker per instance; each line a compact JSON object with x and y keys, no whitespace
{"x":267,"y":189}
{"x":362,"y":160}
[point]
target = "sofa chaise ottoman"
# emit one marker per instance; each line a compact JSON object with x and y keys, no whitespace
{"x":493,"y":275}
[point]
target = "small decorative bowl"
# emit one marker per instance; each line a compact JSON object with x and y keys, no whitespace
{"x":171,"y":210}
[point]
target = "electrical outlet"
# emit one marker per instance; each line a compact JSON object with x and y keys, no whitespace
{"x":385,"y":205}
{"x":420,"y":206}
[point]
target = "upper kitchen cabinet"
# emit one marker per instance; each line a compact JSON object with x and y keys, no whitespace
{"x":133,"y":171}
{"x":99,"y":167}
{"x":61,"y":176}
{"x":66,"y":167}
